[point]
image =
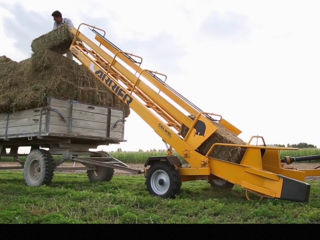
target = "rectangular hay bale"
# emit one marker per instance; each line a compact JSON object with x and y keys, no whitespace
{"x":58,"y":40}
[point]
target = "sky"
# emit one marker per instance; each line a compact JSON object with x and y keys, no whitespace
{"x":256,"y":63}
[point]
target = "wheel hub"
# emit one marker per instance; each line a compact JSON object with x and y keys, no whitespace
{"x":160,"y":182}
{"x":35,"y":170}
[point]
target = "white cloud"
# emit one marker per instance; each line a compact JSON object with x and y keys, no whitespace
{"x":228,"y":25}
{"x":161,"y":53}
{"x":23,"y":26}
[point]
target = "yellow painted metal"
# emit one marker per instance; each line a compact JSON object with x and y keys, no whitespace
{"x":161,"y":128}
{"x":156,"y":83}
{"x":252,"y":158}
{"x":194,"y":171}
{"x":311,"y":172}
{"x":194,"y":138}
{"x":260,"y":170}
{"x":257,"y":180}
{"x":135,"y":82}
{"x":271,"y":162}
{"x":230,"y":127}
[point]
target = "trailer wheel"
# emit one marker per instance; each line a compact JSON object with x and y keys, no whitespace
{"x":163,"y":180}
{"x":218,"y":183}
{"x":100,"y":174}
{"x":38,"y":168}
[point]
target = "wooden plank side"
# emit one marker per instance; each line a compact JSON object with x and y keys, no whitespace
{"x":3,"y":116}
{"x":78,"y":106}
{"x":25,"y":121}
{"x":78,"y":123}
{"x":56,"y":103}
{"x":58,"y":129}
{"x":25,"y":114}
{"x":24,"y":126}
{"x":90,"y":108}
{"x":55,"y":119}
{"x":89,"y":125}
{"x":3,"y":124}
{"x":87,"y":121}
{"x":89,"y":132}
{"x":117,"y":135}
{"x":54,"y":129}
{"x":59,"y":110}
{"x":116,"y":113}
{"x":2,"y":132}
{"x":24,"y":130}
{"x":117,"y":125}
{"x":81,"y":115}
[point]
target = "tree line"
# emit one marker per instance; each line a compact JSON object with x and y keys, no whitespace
{"x":299,"y":145}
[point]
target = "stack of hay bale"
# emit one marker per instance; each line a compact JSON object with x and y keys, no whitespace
{"x":27,"y":84}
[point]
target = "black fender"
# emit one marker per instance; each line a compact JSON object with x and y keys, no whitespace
{"x":172,"y":160}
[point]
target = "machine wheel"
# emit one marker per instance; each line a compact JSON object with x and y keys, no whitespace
{"x":163,"y":180}
{"x":218,"y":183}
{"x":38,"y":168}
{"x":100,"y":174}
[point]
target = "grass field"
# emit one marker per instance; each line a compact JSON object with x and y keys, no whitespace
{"x":72,"y":199}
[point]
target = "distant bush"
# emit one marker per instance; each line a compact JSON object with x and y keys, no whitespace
{"x":278,"y":145}
{"x":301,"y":145}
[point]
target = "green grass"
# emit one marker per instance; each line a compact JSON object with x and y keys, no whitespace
{"x":72,"y":199}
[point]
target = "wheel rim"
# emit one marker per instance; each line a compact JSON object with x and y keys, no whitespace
{"x":97,"y":172}
{"x":160,"y":182}
{"x":35,"y":170}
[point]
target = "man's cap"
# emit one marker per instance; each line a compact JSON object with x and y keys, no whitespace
{"x":56,"y":14}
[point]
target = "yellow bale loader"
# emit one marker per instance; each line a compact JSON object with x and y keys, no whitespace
{"x":185,"y":127}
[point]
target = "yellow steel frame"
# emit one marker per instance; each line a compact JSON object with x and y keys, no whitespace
{"x":261,"y":173}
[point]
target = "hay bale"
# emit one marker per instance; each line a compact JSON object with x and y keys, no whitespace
{"x":48,"y":73}
{"x":4,"y":59}
{"x":6,"y":67}
{"x":58,"y":40}
{"x":223,"y":135}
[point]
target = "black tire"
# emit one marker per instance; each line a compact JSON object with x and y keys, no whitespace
{"x":163,"y":180}
{"x":100,"y":174}
{"x":38,"y":168}
{"x":220,"y":184}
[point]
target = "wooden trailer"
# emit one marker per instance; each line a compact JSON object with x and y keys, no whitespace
{"x":64,"y":128}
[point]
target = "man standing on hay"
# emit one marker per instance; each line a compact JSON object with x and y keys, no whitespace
{"x":60,"y":21}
